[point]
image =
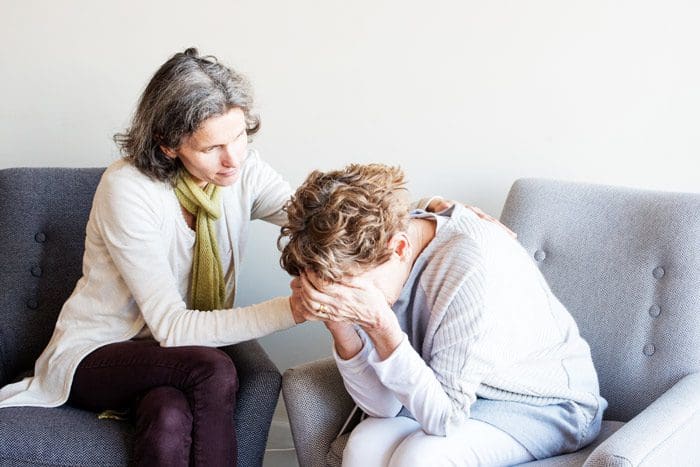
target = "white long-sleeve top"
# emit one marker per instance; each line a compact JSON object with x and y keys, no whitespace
{"x":136,"y":269}
{"x":479,"y":321}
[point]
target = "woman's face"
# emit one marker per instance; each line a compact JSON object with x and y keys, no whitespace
{"x":390,"y":276}
{"x":216,"y":151}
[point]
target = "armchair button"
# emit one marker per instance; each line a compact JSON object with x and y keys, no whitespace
{"x":36,"y":271}
{"x":654,"y":311}
{"x":40,"y":237}
{"x":659,"y":272}
{"x":32,"y":304}
{"x":540,"y":255}
{"x":649,"y":350}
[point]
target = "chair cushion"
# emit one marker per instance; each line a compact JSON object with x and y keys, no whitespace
{"x":62,"y":436}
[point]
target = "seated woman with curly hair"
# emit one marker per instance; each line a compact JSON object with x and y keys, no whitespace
{"x":445,"y":332}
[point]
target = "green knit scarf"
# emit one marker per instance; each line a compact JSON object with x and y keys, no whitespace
{"x":207,"y":289}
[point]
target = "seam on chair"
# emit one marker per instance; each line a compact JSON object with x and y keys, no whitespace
{"x":686,"y":422}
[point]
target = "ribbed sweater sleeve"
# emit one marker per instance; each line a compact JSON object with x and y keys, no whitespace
{"x":439,"y":395}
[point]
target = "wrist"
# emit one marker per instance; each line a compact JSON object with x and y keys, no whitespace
{"x":296,"y":315}
{"x":346,"y":341}
{"x":385,"y":324}
{"x":386,"y":336}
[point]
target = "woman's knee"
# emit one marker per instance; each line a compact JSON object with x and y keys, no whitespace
{"x":475,"y":443}
{"x":374,"y":440}
{"x":416,"y":449}
{"x":167,"y":410}
{"x":422,"y":449}
{"x":214,"y":369}
{"x":163,"y":428}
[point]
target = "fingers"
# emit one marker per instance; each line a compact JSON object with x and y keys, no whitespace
{"x":482,"y":215}
{"x":303,"y":308}
{"x":438,"y":204}
{"x":313,"y":297}
{"x":443,"y":205}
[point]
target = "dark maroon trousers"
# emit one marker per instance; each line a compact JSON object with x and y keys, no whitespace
{"x":182,"y":399}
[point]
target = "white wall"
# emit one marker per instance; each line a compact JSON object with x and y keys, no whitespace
{"x":466,"y":95}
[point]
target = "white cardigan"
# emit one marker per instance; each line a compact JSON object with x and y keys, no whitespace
{"x":131,"y":277}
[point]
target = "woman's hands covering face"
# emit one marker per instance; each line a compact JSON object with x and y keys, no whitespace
{"x":355,"y":301}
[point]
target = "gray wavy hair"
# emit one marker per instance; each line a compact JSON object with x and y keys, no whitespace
{"x":184,"y":92}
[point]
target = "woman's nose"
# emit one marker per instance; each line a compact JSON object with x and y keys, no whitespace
{"x":230,"y":158}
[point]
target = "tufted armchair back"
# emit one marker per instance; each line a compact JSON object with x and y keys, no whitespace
{"x":626,"y":263}
{"x":42,"y":238}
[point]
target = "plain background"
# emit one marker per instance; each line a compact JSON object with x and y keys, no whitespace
{"x":466,"y":96}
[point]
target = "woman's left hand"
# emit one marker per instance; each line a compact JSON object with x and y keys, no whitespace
{"x":356,"y":301}
{"x":438,"y":204}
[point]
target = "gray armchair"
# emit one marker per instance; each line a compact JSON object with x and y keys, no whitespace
{"x":626,"y":263}
{"x":43,"y":213}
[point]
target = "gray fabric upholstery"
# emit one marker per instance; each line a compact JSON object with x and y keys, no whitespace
{"x":626,"y":264}
{"x":315,"y":389}
{"x":258,"y":392}
{"x":62,"y":436}
{"x":43,"y":212}
{"x":665,"y":433}
{"x":334,"y":458}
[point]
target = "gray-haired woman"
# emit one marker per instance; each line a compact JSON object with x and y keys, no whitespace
{"x":164,"y":239}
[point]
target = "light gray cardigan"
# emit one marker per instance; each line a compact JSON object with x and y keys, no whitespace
{"x":488,"y":340}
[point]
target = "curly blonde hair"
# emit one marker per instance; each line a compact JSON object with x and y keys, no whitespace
{"x":341,"y":221}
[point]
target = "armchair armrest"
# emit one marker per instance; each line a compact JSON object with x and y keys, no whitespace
{"x":665,"y":433}
{"x":318,"y":405}
{"x":259,"y":383}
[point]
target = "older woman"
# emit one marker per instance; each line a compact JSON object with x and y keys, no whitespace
{"x":163,"y":244}
{"x":445,"y":332}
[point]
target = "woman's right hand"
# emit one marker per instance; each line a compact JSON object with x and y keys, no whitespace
{"x":346,"y":341}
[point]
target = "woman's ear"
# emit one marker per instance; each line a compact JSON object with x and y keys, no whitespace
{"x":400,"y":245}
{"x":170,"y":152}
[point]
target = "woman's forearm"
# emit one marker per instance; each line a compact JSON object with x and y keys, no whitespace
{"x":416,"y":387}
{"x":345,"y":340}
{"x":362,"y":383}
{"x":386,"y":336}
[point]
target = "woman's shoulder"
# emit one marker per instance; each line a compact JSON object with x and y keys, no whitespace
{"x":124,"y":188}
{"x":254,"y":167}
{"x":458,"y":239}
{"x":258,"y":175}
{"x":455,"y":253}
{"x":453,"y":259}
{"x":122,"y":175}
